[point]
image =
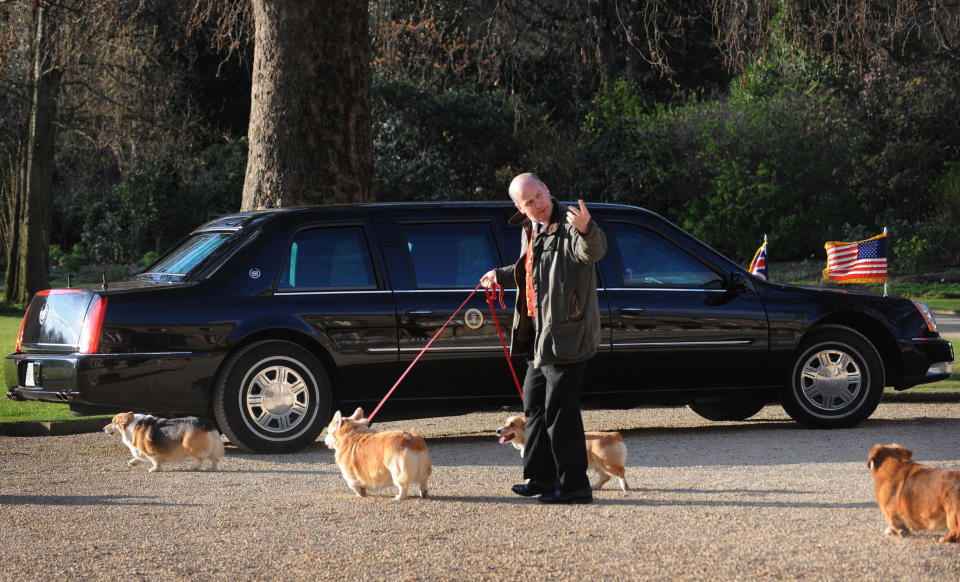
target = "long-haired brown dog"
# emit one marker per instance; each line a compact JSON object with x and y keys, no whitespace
{"x":914,"y":497}
{"x":372,"y":460}
{"x":163,"y":440}
{"x":606,"y":453}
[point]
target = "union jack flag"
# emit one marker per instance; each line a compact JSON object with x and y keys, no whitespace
{"x":863,"y":261}
{"x":758,"y":266}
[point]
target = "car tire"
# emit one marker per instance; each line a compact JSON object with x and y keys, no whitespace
{"x":734,"y":409}
{"x":836,"y":379}
{"x":272,"y":397}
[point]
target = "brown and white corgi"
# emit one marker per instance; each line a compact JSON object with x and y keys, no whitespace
{"x":372,"y":460}
{"x":163,"y":440}
{"x":914,"y":497}
{"x":606,"y":453}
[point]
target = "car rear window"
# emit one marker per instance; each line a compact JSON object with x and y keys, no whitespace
{"x":329,"y":258}
{"x":177,"y":263}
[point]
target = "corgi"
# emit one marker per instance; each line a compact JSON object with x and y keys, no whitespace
{"x":912,"y":496}
{"x":606,"y":453}
{"x":162,"y":440}
{"x":372,"y":460}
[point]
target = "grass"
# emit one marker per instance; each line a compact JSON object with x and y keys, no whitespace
{"x":29,"y":411}
{"x":949,"y":304}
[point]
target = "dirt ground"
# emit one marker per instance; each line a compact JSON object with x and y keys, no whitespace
{"x":762,"y":499}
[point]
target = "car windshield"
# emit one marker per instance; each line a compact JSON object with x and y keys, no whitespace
{"x":181,"y":260}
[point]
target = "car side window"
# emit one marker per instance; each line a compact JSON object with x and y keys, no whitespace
{"x":647,"y":259}
{"x":329,"y":258}
{"x":450,"y":256}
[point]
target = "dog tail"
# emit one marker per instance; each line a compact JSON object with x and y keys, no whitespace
{"x":217,"y":450}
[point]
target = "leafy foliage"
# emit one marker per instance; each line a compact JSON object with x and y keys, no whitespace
{"x":162,"y":200}
{"x":729,"y":171}
{"x":455,"y":144}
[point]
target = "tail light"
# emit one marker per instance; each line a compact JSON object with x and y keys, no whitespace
{"x":90,"y":333}
{"x":20,"y":333}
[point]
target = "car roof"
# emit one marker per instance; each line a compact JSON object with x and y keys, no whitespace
{"x":240,"y":220}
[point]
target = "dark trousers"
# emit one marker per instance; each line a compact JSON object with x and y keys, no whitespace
{"x":555,"y":452}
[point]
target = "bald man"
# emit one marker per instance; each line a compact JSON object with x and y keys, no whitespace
{"x":556,"y":324}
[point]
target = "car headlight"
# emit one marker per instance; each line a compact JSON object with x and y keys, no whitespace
{"x":927,"y":315}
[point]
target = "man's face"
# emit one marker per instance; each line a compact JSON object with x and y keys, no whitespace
{"x":534,"y":202}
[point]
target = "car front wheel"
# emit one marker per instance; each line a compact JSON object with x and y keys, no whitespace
{"x":272,"y":397}
{"x":836,"y":380}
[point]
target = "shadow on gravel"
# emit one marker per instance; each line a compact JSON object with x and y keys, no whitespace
{"x":635,"y":498}
{"x":763,"y":444}
{"x":332,"y":471}
{"x":789,"y":428}
{"x":734,"y":503}
{"x":80,"y":500}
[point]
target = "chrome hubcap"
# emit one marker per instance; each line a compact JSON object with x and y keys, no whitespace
{"x":830,"y":379}
{"x":277,"y":399}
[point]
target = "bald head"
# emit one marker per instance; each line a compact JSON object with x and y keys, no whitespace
{"x":524,"y":183}
{"x":531,"y":197}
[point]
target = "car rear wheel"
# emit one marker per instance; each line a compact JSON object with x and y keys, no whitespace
{"x":272,"y":397}
{"x":836,"y":380}
{"x":734,"y":409}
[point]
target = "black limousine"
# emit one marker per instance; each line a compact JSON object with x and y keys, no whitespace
{"x":269,"y":320}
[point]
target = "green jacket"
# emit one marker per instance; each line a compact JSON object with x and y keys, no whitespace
{"x":567,"y":325}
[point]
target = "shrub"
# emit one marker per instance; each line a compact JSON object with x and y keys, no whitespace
{"x":457,"y":144}
{"x":148,"y":258}
{"x":161,"y":200}
{"x":71,"y":263}
{"x":729,"y":171}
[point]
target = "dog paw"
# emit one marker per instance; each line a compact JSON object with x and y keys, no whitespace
{"x":899,"y":532}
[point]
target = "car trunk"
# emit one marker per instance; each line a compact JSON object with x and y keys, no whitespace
{"x":62,"y":321}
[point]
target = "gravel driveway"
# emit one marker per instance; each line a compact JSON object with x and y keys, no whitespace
{"x":763,"y":499}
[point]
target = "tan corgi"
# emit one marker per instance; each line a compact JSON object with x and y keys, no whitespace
{"x":912,"y":496}
{"x":606,"y":453}
{"x":373,"y":460}
{"x":163,"y":440}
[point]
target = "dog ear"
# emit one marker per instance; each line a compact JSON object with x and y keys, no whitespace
{"x":877,"y":451}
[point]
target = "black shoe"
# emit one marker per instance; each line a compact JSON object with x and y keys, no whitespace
{"x":577,"y":496}
{"x":532,"y":488}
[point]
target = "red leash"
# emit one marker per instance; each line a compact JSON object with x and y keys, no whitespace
{"x":493,"y":312}
{"x":490,"y":294}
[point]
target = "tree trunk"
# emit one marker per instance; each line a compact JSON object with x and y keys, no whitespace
{"x":310,"y":138}
{"x":34,"y":257}
{"x":29,"y":267}
{"x":606,"y":47}
{"x":13,"y":216}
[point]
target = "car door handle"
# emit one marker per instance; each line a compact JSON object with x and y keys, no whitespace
{"x":419,"y":312}
{"x":631,"y":310}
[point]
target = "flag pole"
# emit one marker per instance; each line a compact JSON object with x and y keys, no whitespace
{"x":768,"y":257}
{"x":888,"y":252}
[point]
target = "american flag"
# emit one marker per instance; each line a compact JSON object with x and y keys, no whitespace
{"x":758,"y":266}
{"x":863,"y":261}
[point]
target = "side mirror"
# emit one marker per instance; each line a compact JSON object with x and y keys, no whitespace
{"x":737,"y":282}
